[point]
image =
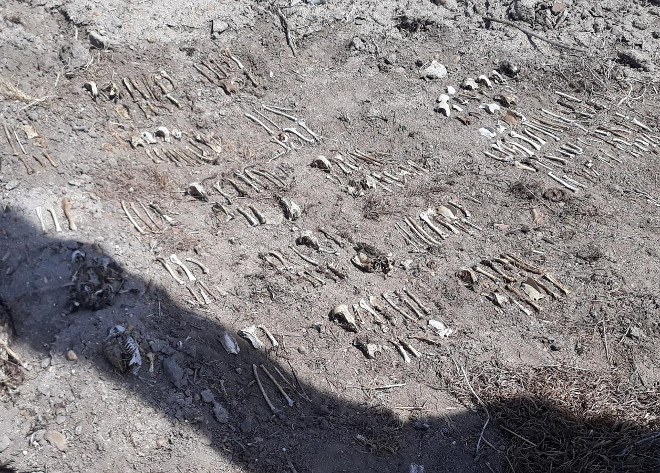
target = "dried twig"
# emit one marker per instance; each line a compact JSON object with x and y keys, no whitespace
{"x":535,"y":35}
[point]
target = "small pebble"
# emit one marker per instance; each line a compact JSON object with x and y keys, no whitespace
{"x":71,"y":355}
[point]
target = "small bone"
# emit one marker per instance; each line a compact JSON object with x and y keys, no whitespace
{"x":482,"y":79}
{"x":417,"y":301}
{"x":66,"y":207}
{"x":205,"y":287}
{"x":175,"y":259}
{"x":541,"y":141}
{"x":170,"y":270}
{"x":554,"y":281}
{"x":523,"y":297}
{"x":50,"y":210}
{"x":568,"y":97}
{"x":369,"y":309}
{"x":222,"y":193}
{"x":270,"y":336}
{"x":251,"y":220}
{"x":40,"y":215}
{"x":230,"y":344}
{"x":164,"y":133}
{"x":331,"y":237}
{"x":521,"y":264}
{"x":204,"y":269}
{"x":273,"y":409}
{"x":562,"y":182}
{"x":421,"y":232}
{"x":207,"y":301}
{"x":14,"y":151}
{"x":492,"y":266}
{"x":410,"y":348}
{"x":276,"y":111}
{"x":388,"y":299}
{"x":134,"y":209}
{"x":573,"y":181}
{"x":298,"y":134}
{"x":151,"y":219}
{"x":485,"y":273}
{"x":277,"y":385}
{"x":249,"y":333}
{"x":402,"y":352}
{"x":259,"y":122}
{"x":311,"y":261}
{"x":535,"y":145}
{"x":527,"y":151}
{"x":247,"y":181}
{"x":304,"y":126}
{"x":543,"y":131}
{"x":410,"y":306}
{"x":130,"y":217}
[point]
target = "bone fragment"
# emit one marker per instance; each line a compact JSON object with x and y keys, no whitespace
{"x":402,"y":352}
{"x":204,"y":269}
{"x":170,"y":270}
{"x":273,"y":409}
{"x":277,"y":385}
{"x":40,"y":215}
{"x":51,"y":210}
{"x":130,"y":217}
{"x":417,"y":301}
{"x":175,"y":259}
{"x":269,"y":335}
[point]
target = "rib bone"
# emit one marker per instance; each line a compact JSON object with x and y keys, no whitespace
{"x":175,"y":259}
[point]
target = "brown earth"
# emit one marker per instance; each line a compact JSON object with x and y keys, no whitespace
{"x":571,"y":387}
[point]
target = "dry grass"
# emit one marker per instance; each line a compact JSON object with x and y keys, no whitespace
{"x":11,"y":92}
{"x":566,"y":420}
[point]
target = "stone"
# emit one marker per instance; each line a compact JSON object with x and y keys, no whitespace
{"x":75,"y":55}
{"x":434,"y":71}
{"x":99,"y":41}
{"x":558,"y":7}
{"x":5,"y":442}
{"x":207,"y":396}
{"x":219,"y":27}
{"x":523,"y":10}
{"x":57,"y":439}
{"x":71,"y":355}
{"x":220,"y":413}
{"x":174,"y":372}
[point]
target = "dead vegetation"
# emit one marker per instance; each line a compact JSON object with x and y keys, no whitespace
{"x":564,"y":419}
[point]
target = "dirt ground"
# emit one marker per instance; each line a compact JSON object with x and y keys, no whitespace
{"x":500,"y":293}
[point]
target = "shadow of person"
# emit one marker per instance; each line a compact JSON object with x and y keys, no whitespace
{"x":211,"y":398}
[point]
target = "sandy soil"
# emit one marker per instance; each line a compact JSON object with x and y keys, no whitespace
{"x":519,"y":334}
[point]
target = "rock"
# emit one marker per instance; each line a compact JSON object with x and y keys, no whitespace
{"x":11,"y":185}
{"x":219,"y":27}
{"x":97,"y":40}
{"x":71,"y":355}
{"x":74,"y":55}
{"x":57,"y":439}
{"x":434,"y":71}
{"x":636,"y":59}
{"x":451,"y":90}
{"x":220,"y":413}
{"x":523,"y":10}
{"x":469,"y":84}
{"x":174,"y":372}
{"x":4,"y":443}
{"x":558,"y":7}
{"x":207,"y":396}
{"x":635,"y":333}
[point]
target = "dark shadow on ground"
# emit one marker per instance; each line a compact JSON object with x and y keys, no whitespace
{"x":322,"y":432}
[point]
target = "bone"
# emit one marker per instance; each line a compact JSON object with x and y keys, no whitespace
{"x":259,"y":122}
{"x":543,"y":131}
{"x":14,"y":151}
{"x":25,"y":162}
{"x":311,"y":261}
{"x":204,"y":269}
{"x":175,"y":259}
{"x":304,"y":126}
{"x":533,"y":144}
{"x":130,"y":217}
{"x":410,"y":348}
{"x":389,"y":300}
{"x":505,"y":276}
{"x":273,"y":409}
{"x":251,"y":220}
{"x":541,"y":141}
{"x":269,"y":335}
{"x":134,"y":209}
{"x":554,"y":281}
{"x":66,"y":207}
{"x":205,"y":287}
{"x":250,"y":334}
{"x":523,"y":297}
{"x":272,"y":179}
{"x":402,"y":352}
{"x":546,"y":288}
{"x":170,"y":270}
{"x":485,"y":273}
{"x":40,"y":215}
{"x":148,"y":214}
{"x":279,"y":112}
{"x":331,"y":237}
{"x":562,"y":182}
{"x":298,"y":134}
{"x":369,"y":309}
{"x":568,"y":97}
{"x":241,"y":192}
{"x":524,"y":149}
{"x":203,"y":292}
{"x":247,"y":181}
{"x":417,"y":301}
{"x":573,"y":181}
{"x":410,"y":306}
{"x":423,"y":232}
{"x":277,"y":385}
{"x":222,"y":193}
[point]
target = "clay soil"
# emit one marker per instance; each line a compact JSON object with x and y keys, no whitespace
{"x":495,"y":381}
